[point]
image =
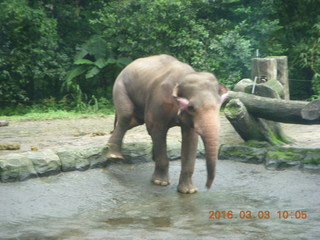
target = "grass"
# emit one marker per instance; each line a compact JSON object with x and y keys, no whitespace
{"x":53,"y":115}
{"x":50,"y":109}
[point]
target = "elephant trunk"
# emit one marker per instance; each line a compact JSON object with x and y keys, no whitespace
{"x":208,"y":129}
{"x":211,"y":149}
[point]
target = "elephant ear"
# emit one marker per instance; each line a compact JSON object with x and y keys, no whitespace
{"x":182,"y":102}
{"x":223,"y":92}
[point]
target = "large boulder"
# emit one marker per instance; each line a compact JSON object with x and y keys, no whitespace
{"x":82,"y":158}
{"x":45,"y":162}
{"x":15,"y":167}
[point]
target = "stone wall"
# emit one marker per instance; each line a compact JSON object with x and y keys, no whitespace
{"x":22,"y":166}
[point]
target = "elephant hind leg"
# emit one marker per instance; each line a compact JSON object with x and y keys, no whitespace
{"x":122,"y":125}
{"x":125,"y":120}
{"x":115,"y":141}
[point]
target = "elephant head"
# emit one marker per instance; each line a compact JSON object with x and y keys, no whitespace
{"x":199,"y":96}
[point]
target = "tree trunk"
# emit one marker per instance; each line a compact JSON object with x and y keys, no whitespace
{"x":253,"y":128}
{"x":311,"y":111}
{"x":264,"y":69}
{"x":244,"y":123}
{"x":272,"y":68}
{"x":276,"y":109}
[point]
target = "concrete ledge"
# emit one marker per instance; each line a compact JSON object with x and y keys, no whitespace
{"x":20,"y":167}
{"x":273,"y":157}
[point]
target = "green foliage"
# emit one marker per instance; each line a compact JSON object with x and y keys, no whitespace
{"x":316,"y":85}
{"x":31,"y":67}
{"x":300,"y":35}
{"x":215,"y":36}
{"x":77,"y":48}
{"x":143,"y":28}
{"x":95,"y":68}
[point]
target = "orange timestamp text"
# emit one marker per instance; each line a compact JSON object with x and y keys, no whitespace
{"x":263,"y":214}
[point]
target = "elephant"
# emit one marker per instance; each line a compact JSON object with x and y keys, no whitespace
{"x":163,"y":92}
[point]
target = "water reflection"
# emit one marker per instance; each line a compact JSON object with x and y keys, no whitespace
{"x":122,"y":203}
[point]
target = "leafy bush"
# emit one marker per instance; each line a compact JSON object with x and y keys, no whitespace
{"x":77,"y":48}
{"x":95,"y":68}
{"x":28,"y":52}
{"x":212,"y":36}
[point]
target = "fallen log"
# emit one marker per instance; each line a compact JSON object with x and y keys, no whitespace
{"x":252,"y":128}
{"x":311,"y":111}
{"x":278,"y":110}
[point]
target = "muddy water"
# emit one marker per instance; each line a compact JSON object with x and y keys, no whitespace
{"x":121,"y":203}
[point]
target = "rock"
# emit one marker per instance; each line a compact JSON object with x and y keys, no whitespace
{"x":311,"y":167}
{"x":137,"y":152}
{"x":96,"y":156}
{"x":257,"y":144}
{"x":312,"y":156}
{"x":82,"y":158}
{"x":68,"y":159}
{"x":13,"y":146}
{"x":276,"y":86}
{"x":72,"y":159}
{"x":242,"y":153}
{"x":174,"y":149}
{"x":45,"y":162}
{"x":278,"y":159}
{"x":15,"y":167}
{"x":34,"y":148}
{"x":4,"y":123}
{"x":287,"y":157}
{"x":263,"y":90}
{"x":241,"y":85}
{"x":274,"y":157}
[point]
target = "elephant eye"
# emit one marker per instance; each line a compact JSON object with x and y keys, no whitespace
{"x":191,"y":109}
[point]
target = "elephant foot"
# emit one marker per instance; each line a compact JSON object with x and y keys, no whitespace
{"x":187,"y":188}
{"x":115,"y":156}
{"x":161,"y":182}
{"x":114,"y":152}
{"x":158,"y":180}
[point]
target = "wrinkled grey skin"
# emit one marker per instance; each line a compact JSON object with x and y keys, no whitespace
{"x":164,"y":92}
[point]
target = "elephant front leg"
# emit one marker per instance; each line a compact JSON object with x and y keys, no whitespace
{"x":188,"y":157}
{"x":161,"y":172}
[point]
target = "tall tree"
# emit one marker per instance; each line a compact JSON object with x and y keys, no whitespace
{"x":300,"y":35}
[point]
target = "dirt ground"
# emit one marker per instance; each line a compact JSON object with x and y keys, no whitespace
{"x":95,"y":131}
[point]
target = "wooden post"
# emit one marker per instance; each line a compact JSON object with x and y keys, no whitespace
{"x":272,"y":68}
{"x":282,"y":75}
{"x":264,"y":68}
